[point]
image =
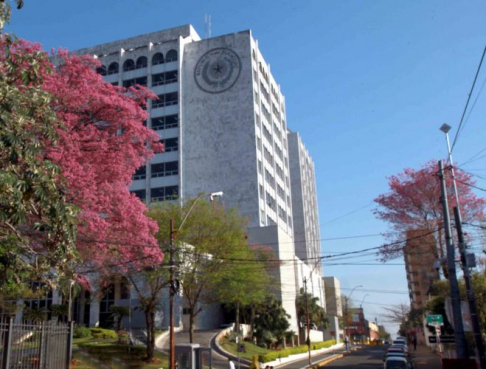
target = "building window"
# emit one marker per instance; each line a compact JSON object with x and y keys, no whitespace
{"x":113,"y":68}
{"x":166,"y":100}
{"x":260,"y":166}
{"x":164,"y":78}
{"x":269,"y":178}
{"x":261,"y":192}
{"x":270,"y":221}
{"x":171,"y":56}
{"x":40,"y":301}
{"x":141,"y":62}
{"x":170,"y":168}
{"x":141,"y":194}
{"x":142,"y":81}
{"x":165,"y":122}
{"x":270,"y":201}
{"x":128,"y":65}
{"x":158,"y":58}
{"x":164,"y":193}
{"x":140,"y":173}
{"x":170,"y":144}
{"x":114,"y":83}
{"x":101,"y":70}
{"x":106,"y":302}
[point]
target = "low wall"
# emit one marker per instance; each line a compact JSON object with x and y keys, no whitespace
{"x":301,"y":356}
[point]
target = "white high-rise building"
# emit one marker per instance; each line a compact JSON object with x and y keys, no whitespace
{"x":221,"y":116}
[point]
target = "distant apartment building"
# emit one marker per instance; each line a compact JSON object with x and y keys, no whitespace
{"x":222,"y":118}
{"x":420,"y":254}
{"x":306,"y":232}
{"x":334,"y":308}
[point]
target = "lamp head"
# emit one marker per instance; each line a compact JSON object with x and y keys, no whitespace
{"x":445,"y":128}
{"x":215,"y":194}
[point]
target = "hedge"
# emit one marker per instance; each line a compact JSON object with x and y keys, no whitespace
{"x":103,"y":333}
{"x":82,"y":332}
{"x":274,"y":355}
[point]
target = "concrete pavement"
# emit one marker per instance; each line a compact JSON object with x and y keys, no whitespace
{"x":425,"y":358}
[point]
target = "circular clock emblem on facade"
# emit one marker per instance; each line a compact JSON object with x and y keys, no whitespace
{"x":217,"y":70}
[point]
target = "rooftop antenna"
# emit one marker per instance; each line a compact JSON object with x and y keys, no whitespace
{"x":207,"y":25}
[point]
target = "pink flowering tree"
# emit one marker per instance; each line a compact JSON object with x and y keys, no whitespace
{"x":413,"y":203}
{"x":100,"y":147}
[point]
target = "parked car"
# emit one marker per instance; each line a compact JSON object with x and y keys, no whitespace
{"x":396,"y":362}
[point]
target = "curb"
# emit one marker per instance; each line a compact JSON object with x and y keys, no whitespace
{"x":214,"y":344}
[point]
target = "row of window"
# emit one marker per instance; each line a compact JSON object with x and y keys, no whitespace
{"x":141,"y":62}
{"x":266,"y":113}
{"x":170,"y":168}
{"x":158,"y":194}
{"x":165,"y":122}
{"x":157,"y":79}
{"x":172,"y":98}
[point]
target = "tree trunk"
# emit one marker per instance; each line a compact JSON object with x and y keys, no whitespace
{"x":119,"y":323}
{"x":237,"y":318}
{"x":191,"y":325}
{"x":150,"y":342}
{"x":252,"y":319}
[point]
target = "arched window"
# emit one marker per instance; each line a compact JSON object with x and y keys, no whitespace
{"x":128,"y":65}
{"x":113,"y":68}
{"x":171,"y":56}
{"x":158,"y":58}
{"x":141,"y":62}
{"x":101,"y":70}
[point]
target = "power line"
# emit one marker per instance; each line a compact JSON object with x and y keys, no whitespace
{"x":467,"y":102}
{"x":347,"y":214}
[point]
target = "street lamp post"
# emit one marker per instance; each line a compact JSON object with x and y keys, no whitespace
{"x":464,"y":260}
{"x":362,"y":301}
{"x":172,"y":286}
{"x":346,"y":328}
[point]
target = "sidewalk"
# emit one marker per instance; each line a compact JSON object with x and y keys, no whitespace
{"x":425,"y":358}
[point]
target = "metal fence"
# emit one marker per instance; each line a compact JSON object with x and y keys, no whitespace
{"x":43,"y":345}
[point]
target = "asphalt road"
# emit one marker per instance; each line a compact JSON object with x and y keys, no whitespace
{"x":314,"y":359}
{"x":369,"y":357}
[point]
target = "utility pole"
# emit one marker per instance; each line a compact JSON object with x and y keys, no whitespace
{"x":461,"y":348}
{"x":478,"y":339}
{"x":171,"y":296}
{"x":307,"y":319}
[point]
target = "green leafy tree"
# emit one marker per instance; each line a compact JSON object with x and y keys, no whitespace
{"x":208,"y":241}
{"x":118,"y":313}
{"x":441,"y":289}
{"x":148,"y":285}
{"x":271,"y":323}
{"x":317,"y":314}
{"x":37,"y":225}
{"x":246,"y":283}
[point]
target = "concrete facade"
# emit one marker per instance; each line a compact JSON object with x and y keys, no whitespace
{"x":304,"y":201}
{"x":419,"y":255}
{"x":222,"y":117}
{"x":333,"y":296}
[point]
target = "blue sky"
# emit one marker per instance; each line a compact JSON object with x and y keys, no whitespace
{"x":367,"y":84}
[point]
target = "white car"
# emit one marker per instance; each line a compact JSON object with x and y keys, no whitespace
{"x":397,"y":362}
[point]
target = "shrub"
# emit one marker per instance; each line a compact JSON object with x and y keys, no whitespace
{"x":274,"y":355}
{"x":103,"y":333}
{"x":82,"y":332}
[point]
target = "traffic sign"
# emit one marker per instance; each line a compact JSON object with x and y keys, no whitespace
{"x":435,"y":320}
{"x":443,"y":339}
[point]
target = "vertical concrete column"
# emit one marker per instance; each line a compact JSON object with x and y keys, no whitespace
{"x":94,"y":312}
{"x":56,"y":297}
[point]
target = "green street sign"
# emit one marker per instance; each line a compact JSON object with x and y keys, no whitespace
{"x":436,"y":320}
